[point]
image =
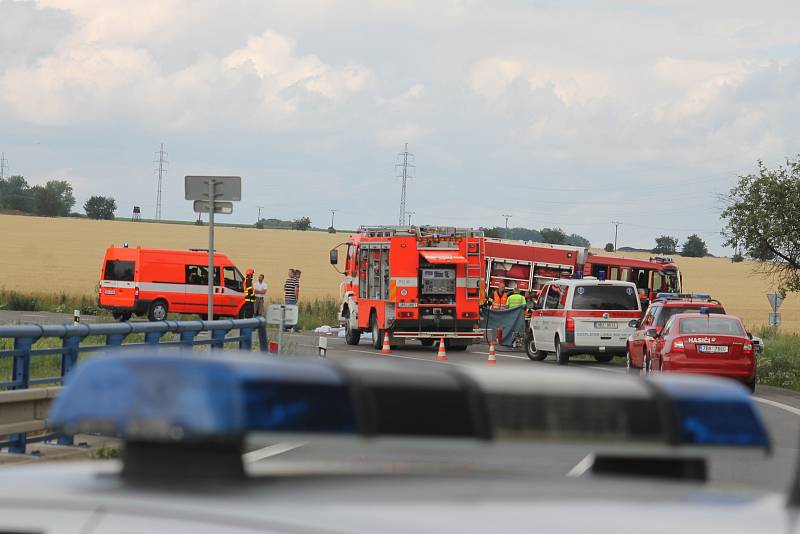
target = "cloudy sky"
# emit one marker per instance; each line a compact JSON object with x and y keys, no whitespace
{"x":561,"y":113}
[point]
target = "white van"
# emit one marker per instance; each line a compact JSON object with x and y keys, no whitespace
{"x":585,"y":316}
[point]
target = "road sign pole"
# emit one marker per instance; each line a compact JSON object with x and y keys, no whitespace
{"x":281,"y":326}
{"x":211,"y":195}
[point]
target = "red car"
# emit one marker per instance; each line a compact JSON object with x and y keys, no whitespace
{"x":702,"y":343}
{"x":658,"y":313}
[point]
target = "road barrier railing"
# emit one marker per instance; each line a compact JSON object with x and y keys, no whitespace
{"x":24,"y":404}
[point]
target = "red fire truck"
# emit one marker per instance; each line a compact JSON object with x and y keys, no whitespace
{"x":527,"y":265}
{"x":414,"y":282}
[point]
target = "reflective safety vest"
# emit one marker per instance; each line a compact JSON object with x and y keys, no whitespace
{"x":515,"y":300}
{"x":249,"y":291}
{"x":499,"y":299}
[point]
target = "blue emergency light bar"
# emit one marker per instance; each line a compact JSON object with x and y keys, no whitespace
{"x":699,"y":296}
{"x":187,"y":399}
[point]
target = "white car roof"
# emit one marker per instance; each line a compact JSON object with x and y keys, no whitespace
{"x":573,"y":282}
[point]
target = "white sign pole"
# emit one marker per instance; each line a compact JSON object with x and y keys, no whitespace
{"x":211,"y":196}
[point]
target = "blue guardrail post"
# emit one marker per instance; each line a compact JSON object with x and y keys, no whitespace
{"x":22,"y":377}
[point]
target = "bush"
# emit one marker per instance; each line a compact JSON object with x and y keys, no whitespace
{"x":779,"y":365}
{"x":609,"y":247}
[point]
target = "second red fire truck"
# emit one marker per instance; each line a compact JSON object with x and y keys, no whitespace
{"x":414,"y":283}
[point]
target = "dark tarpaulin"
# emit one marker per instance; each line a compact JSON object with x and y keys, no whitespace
{"x":511,"y":321}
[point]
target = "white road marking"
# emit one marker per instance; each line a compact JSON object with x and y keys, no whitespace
{"x":376,"y":353}
{"x":272,"y":450}
{"x":606,"y":369}
{"x":776,"y":404}
{"x":500,"y":354}
{"x":582,"y":466}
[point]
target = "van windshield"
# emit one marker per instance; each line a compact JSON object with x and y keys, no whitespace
{"x":605,"y":298}
{"x":119,"y":270}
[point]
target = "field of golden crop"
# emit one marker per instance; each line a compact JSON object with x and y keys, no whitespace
{"x":64,"y":255}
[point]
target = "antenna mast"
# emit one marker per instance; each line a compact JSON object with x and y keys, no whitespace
{"x":404,"y":171}
{"x":162,"y":162}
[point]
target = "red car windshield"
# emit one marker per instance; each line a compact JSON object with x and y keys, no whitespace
{"x":711,"y":325}
{"x":668,"y":311}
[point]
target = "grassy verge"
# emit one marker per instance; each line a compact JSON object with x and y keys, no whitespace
{"x":779,"y":365}
{"x":52,"y":302}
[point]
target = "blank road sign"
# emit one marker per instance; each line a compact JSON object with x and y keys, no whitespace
{"x":775,"y":300}
{"x":204,"y":206}
{"x":225,"y":187}
{"x":274,"y":312}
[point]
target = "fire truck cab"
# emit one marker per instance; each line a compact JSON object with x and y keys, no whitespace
{"x":653,"y":276}
{"x":414,"y":283}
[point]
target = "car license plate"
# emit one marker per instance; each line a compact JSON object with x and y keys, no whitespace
{"x":109,"y":292}
{"x":605,"y":325}
{"x":713,"y":348}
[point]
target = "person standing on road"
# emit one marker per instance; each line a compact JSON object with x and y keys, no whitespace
{"x":249,"y":294}
{"x":291,"y":290}
{"x":515,"y":299}
{"x":260,"y":288}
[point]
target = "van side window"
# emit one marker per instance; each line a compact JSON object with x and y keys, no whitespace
{"x":562,"y":302}
{"x":197,"y":275}
{"x":233,"y":279}
{"x":119,"y":270}
{"x":552,"y":298}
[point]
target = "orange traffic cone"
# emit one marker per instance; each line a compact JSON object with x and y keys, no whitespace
{"x":386,"y":348}
{"x":441,"y":356}
{"x":492,"y":358}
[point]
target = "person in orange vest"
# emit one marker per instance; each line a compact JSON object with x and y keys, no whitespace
{"x":499,"y":297}
{"x":249,"y":294}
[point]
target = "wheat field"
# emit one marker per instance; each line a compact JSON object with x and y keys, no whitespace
{"x":47,"y":255}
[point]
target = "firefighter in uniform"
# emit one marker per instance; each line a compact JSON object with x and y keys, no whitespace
{"x":249,"y":294}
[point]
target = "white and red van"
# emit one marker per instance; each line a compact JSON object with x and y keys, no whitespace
{"x":584,"y":316}
{"x":154,"y":282}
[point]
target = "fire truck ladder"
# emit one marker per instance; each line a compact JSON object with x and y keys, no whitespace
{"x":474,"y":269}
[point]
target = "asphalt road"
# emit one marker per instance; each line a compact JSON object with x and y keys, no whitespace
{"x":41,"y":317}
{"x":779,"y":408}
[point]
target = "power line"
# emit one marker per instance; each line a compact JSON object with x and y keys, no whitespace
{"x":403,"y":172}
{"x":162,"y":171}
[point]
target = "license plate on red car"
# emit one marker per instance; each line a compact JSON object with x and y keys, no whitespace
{"x":715,"y":349}
{"x":109,"y":292}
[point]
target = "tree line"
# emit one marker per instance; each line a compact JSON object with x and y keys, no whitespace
{"x":554,"y":236}
{"x":53,"y":199}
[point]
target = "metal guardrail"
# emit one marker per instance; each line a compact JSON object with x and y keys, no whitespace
{"x":23,"y":409}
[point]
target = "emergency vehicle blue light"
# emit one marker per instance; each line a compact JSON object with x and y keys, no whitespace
{"x":601,"y":275}
{"x":700,"y":296}
{"x":713,"y":411}
{"x":705,"y":310}
{"x":173,"y":397}
{"x":667,"y":295}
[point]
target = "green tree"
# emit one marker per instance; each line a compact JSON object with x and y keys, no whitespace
{"x":303,"y":223}
{"x":609,"y":247}
{"x":666,"y":245}
{"x":761,"y":217}
{"x":555,"y":236}
{"x":98,"y":207}
{"x":577,"y":241}
{"x":53,"y":199}
{"x":15,"y":194}
{"x":694,"y":247}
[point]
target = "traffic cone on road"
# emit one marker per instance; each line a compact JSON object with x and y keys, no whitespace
{"x":441,"y":356}
{"x":387,"y":349}
{"x":492,"y":358}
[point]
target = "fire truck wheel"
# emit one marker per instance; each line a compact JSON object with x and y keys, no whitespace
{"x":454,"y":345}
{"x":158,"y":311}
{"x":603,"y":358}
{"x":377,"y":333}
{"x":351,"y":336}
{"x":426,"y":342}
{"x":561,"y":357}
{"x":530,"y":349}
